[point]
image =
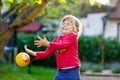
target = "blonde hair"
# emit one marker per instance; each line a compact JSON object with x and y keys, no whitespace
{"x":76,"y":23}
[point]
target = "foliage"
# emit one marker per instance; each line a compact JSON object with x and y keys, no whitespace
{"x":89,"y":49}
{"x":59,"y":8}
{"x":29,"y":41}
{"x":107,"y":66}
{"x":56,"y":8}
{"x":116,"y":69}
{"x":111,"y":50}
{"x":97,"y":68}
{"x":85,"y":66}
{"x":83,"y":69}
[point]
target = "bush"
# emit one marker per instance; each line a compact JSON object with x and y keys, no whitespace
{"x":84,"y":67}
{"x":111,"y":50}
{"x":90,"y":49}
{"x":116,"y":69}
{"x":107,"y":66}
{"x":97,"y":68}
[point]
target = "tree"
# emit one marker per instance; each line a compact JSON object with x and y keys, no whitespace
{"x":26,"y":13}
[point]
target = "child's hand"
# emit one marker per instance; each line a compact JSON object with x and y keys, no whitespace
{"x":29,"y":51}
{"x":42,"y":42}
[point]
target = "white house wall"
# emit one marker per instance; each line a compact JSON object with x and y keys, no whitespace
{"x":111,"y":29}
{"x":93,"y":25}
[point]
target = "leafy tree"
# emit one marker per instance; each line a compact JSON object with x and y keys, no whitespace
{"x":26,"y":12}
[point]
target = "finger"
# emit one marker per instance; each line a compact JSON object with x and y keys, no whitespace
{"x":25,"y":46}
{"x":39,"y":46}
{"x":39,"y":37}
{"x":44,"y":36}
{"x":36,"y":41}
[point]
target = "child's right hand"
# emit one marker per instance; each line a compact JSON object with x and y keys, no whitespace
{"x":29,"y":51}
{"x":42,"y":41}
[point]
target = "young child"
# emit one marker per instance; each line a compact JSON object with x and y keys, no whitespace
{"x":65,"y":48}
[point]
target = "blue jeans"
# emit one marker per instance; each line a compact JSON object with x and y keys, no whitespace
{"x":68,"y":74}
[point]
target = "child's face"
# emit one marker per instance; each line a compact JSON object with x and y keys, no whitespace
{"x":67,"y":27}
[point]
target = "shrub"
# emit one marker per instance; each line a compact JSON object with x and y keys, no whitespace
{"x":85,"y":66}
{"x":97,"y":68}
{"x":89,"y":48}
{"x":116,"y":69}
{"x":83,"y":69}
{"x":111,"y":51}
{"x":107,"y":66}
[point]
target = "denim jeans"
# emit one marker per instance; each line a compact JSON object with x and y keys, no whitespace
{"x":68,"y":74}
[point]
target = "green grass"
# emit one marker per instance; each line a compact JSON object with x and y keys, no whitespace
{"x":10,"y":72}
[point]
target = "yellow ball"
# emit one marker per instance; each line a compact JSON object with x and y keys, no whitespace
{"x":22,"y":59}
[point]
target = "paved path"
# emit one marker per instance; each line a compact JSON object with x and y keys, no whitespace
{"x":99,"y":78}
{"x":104,"y":75}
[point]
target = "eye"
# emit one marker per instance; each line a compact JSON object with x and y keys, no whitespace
{"x":25,"y":56}
{"x":68,"y":24}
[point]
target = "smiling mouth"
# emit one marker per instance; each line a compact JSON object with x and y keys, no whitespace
{"x":64,"y":29}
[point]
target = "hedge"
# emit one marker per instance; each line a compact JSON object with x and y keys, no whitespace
{"x":89,"y":48}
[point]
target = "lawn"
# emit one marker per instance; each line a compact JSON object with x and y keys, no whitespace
{"x":10,"y":72}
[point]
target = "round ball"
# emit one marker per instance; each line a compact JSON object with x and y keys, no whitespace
{"x":22,"y":59}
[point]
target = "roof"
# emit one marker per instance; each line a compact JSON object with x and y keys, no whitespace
{"x":32,"y":27}
{"x":115,"y":14}
{"x":93,"y":9}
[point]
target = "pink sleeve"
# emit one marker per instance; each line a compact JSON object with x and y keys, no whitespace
{"x":66,"y":43}
{"x":43,"y":54}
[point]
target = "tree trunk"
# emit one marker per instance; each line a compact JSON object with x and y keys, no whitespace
{"x":0,"y":17}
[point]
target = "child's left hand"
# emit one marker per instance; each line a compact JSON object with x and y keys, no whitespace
{"x":42,"y":42}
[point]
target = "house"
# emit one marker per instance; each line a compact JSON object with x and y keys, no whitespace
{"x":114,"y":16}
{"x":33,"y":27}
{"x":106,"y":22}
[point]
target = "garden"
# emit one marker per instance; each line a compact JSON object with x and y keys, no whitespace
{"x":89,"y":54}
{"x":99,"y":56}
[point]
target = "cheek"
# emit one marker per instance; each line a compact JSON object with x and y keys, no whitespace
{"x":71,"y":28}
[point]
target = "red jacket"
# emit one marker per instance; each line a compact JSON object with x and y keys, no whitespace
{"x":65,"y":49}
